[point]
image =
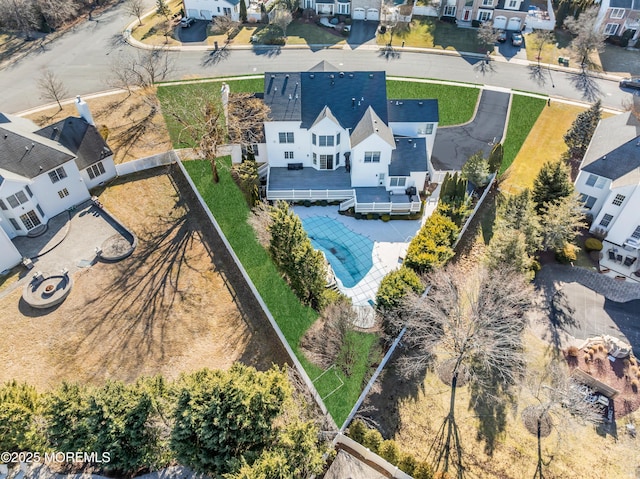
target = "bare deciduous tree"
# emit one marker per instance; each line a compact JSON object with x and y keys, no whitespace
{"x":246,"y":117}
{"x":470,"y":327}
{"x":19,"y":15}
{"x":57,"y":13}
{"x":487,"y":35}
{"x":261,"y":220}
{"x":51,"y":87}
{"x":135,"y":8}
{"x":588,"y":40}
{"x":223,"y":24}
{"x":558,"y":398}
{"x":142,"y":70}
{"x":281,"y":19}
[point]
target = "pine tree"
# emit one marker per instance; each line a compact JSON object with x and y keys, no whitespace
{"x":243,"y":11}
{"x":476,"y":170}
{"x":518,"y":213}
{"x":495,"y":158}
{"x":561,"y":221}
{"x":19,"y":407}
{"x":551,"y":184}
{"x":509,"y":247}
{"x":579,"y":135}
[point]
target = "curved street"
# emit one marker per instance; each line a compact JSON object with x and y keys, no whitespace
{"x":82,"y":59}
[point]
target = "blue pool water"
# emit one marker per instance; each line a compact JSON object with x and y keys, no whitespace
{"x":350,"y":254}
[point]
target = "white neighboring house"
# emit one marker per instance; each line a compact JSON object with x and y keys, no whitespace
{"x":44,"y":171}
{"x":609,"y":184}
{"x":334,"y":135}
{"x":207,"y":9}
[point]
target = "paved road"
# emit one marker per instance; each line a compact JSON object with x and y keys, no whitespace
{"x":82,"y":59}
{"x":455,"y":145}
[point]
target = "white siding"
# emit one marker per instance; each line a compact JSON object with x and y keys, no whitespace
{"x":367,"y":174}
{"x":11,"y":187}
{"x":327,"y":127}
{"x":109,"y":173}
{"x":47,"y":192}
{"x":205,"y":8}
{"x":599,"y":193}
{"x":10,"y":255}
{"x":276,"y":150}
{"x":626,"y":217}
{"x":416,"y":129}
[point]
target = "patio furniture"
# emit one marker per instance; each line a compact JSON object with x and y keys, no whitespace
{"x":612,"y":255}
{"x":629,"y":260}
{"x":619,"y":258}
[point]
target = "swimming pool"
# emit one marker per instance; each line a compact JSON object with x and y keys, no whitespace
{"x":350,"y":254}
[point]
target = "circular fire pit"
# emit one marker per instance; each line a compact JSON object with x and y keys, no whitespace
{"x":45,"y":291}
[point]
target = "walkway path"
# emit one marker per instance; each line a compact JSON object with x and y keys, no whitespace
{"x":454,"y":145}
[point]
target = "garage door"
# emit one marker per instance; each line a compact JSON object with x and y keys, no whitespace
{"x":193,"y":13}
{"x":373,"y":14}
{"x":515,"y":24}
{"x":206,"y":14}
{"x":500,"y":22}
{"x":358,"y":14}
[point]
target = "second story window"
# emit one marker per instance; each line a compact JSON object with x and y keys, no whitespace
{"x":17,"y":199}
{"x":286,"y":137}
{"x":617,"y":13}
{"x":372,"y":157}
{"x":606,"y":219}
{"x":57,"y":174}
{"x":325,"y":140}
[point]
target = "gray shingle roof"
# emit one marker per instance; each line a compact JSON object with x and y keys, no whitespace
{"x":524,"y":6}
{"x":410,"y":155}
{"x":25,"y":153}
{"x":80,"y":138}
{"x":412,"y":110}
{"x":347,"y":94}
{"x":371,"y":124}
{"x":614,"y":151}
{"x":325,"y":113}
{"x":323,"y":66}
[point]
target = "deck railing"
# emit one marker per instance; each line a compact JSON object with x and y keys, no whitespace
{"x":413,"y":207}
{"x":310,"y":194}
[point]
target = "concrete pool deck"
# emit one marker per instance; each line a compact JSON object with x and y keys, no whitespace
{"x":390,"y":243}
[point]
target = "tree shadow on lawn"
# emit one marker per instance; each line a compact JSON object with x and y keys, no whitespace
{"x":382,"y":406}
{"x":147,"y":313}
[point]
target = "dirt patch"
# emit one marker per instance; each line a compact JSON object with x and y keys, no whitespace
{"x":132,"y":123}
{"x":176,"y":304}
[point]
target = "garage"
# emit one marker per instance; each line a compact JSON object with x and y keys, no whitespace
{"x":206,"y":14}
{"x":500,"y":22}
{"x":373,"y":14}
{"x":515,"y":23}
{"x":358,"y":14}
{"x":192,"y":12}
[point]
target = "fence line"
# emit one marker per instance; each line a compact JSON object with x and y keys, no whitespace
{"x":475,"y":210}
{"x":141,"y":164}
{"x":371,"y":457}
{"x":265,"y":309}
{"x":310,"y":194}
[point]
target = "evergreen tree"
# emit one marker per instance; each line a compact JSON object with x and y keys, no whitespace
{"x":561,"y":221}
{"x":66,"y":413}
{"x":476,"y":170}
{"x":223,"y":418}
{"x":243,"y":11}
{"x":552,"y":183}
{"x":579,"y":135}
{"x":518,"y":213}
{"x":509,"y":247}
{"x":19,"y":409}
{"x":431,"y":247}
{"x":395,"y":285}
{"x":495,"y":158}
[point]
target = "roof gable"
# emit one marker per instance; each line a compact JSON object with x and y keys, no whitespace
{"x":326,"y":113}
{"x":371,"y":124}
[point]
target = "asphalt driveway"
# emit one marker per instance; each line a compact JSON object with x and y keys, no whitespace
{"x":196,"y":33}
{"x":362,"y":32}
{"x":454,"y":145}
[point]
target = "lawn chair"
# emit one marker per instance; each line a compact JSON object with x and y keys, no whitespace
{"x":629,"y":260}
{"x":612,"y":255}
{"x":619,"y":258}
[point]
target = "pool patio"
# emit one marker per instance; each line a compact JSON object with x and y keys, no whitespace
{"x":390,"y":242}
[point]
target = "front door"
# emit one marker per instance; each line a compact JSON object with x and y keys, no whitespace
{"x":30,"y":220}
{"x":381,"y":179}
{"x":466,"y":15}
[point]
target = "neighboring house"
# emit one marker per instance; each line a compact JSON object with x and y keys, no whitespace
{"x":44,"y":171}
{"x":609,"y":184}
{"x":207,"y":9}
{"x":334,"y":135}
{"x":506,"y":14}
{"x":366,"y":9}
{"x":331,"y":7}
{"x":619,"y":17}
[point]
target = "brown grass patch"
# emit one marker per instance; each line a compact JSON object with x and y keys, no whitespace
{"x":168,"y":308}
{"x":135,"y":128}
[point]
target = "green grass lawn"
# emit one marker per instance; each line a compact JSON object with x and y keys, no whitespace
{"x":427,"y":32}
{"x":298,"y":33}
{"x":524,"y":113}
{"x":231,"y":212}
{"x":456,"y":104}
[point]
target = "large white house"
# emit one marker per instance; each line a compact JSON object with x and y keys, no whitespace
{"x":208,"y":9}
{"x":334,"y":135}
{"x":44,"y":171}
{"x":609,"y":184}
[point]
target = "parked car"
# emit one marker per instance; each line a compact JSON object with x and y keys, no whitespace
{"x":630,"y":83}
{"x":186,"y":22}
{"x":516,"y":39}
{"x":502,"y":36}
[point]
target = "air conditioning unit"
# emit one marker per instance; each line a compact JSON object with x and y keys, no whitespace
{"x":632,"y":243}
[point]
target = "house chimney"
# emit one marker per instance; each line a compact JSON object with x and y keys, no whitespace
{"x":83,"y":110}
